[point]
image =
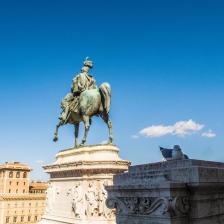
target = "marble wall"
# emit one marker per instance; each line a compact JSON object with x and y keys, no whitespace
{"x":178,"y":191}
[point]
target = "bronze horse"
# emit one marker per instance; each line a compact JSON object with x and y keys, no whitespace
{"x":93,"y":102}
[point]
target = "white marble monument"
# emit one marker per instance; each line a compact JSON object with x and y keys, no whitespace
{"x":76,"y":194}
{"x":183,"y":191}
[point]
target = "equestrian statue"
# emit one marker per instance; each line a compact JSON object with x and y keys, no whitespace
{"x":84,"y":101}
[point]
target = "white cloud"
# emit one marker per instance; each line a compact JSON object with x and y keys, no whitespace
{"x":180,"y":128}
{"x":187,"y":127}
{"x":135,"y":136}
{"x":208,"y":134}
{"x":156,"y":131}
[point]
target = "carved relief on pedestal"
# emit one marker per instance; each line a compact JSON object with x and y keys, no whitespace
{"x":77,"y":200}
{"x":146,"y":205}
{"x":103,"y":209}
{"x":180,"y":205}
{"x":89,"y":200}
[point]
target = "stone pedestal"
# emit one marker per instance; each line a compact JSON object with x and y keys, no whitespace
{"x":78,"y":177}
{"x":172,"y":192}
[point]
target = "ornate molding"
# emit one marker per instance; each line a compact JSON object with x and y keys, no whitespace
{"x":177,"y":206}
{"x":80,"y":163}
{"x":180,"y":205}
{"x":81,"y":173}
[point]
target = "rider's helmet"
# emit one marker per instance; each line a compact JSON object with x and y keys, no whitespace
{"x":88,"y":62}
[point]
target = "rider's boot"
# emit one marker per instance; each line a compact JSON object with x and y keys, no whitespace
{"x":64,"y":114}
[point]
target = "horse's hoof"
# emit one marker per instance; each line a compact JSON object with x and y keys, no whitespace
{"x":82,"y":144}
{"x":55,"y":139}
{"x":110,"y":142}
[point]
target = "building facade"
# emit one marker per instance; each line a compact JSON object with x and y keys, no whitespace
{"x":20,"y":201}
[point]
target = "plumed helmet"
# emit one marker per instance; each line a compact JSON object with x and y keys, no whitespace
{"x":88,"y":62}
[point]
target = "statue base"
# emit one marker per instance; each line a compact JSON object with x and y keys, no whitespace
{"x":171,"y":192}
{"x":76,"y":193}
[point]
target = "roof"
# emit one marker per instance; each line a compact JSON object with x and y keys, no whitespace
{"x":14,"y":166}
{"x":38,"y":185}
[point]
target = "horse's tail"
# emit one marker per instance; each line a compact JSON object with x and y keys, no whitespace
{"x":105,"y":92}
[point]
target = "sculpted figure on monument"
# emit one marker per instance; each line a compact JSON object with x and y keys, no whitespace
{"x":103,"y":209}
{"x":82,"y":81}
{"x":77,"y":201}
{"x":92,"y":203}
{"x":84,"y":101}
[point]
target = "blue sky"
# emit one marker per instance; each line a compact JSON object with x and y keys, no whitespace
{"x":163,"y":59}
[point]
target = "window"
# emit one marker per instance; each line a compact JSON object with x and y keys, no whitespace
{"x":10,"y":182}
{"x":9,"y":190}
{"x":17,"y":183}
{"x":10,"y":174}
{"x":16,"y":190}
{"x":24,"y":183}
{"x":25,"y":175}
{"x":23,"y":190}
{"x":7,"y":219}
{"x":22,"y":218}
{"x":14,"y":219}
{"x":29,"y":218}
{"x":18,"y":174}
{"x":35,"y":218}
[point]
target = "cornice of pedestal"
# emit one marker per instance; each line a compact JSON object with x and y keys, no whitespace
{"x":81,"y":149}
{"x":90,"y":166}
{"x":89,"y":160}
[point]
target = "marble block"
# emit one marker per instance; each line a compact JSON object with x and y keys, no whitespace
{"x":171,"y":192}
{"x":76,"y":194}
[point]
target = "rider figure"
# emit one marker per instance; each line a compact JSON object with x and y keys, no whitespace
{"x":83,"y":81}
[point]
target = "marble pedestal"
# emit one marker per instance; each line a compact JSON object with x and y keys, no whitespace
{"x":172,"y":192}
{"x":76,"y":194}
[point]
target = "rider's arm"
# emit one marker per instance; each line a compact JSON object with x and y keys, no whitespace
{"x":75,"y":87}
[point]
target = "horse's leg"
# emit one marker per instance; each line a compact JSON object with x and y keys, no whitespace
{"x":56,"y":131}
{"x":109,"y":124}
{"x":76,"y":135}
{"x":86,"y":121}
